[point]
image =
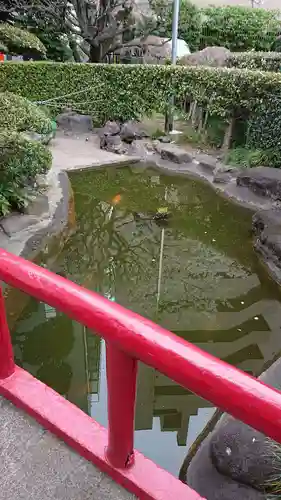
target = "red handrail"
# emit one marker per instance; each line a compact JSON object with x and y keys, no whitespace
{"x":130,"y":337}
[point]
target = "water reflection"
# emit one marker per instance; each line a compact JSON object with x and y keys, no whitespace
{"x":192,"y":270}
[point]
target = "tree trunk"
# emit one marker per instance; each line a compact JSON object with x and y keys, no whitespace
{"x":228,"y":136}
{"x":75,"y":51}
{"x":95,"y":54}
{"x":194,"y":114}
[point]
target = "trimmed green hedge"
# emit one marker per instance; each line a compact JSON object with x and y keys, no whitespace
{"x":239,"y":28}
{"x":264,"y":61}
{"x":20,"y":161}
{"x":122,"y":92}
{"x":114,"y":91}
{"x":20,"y":41}
{"x":17,"y":113}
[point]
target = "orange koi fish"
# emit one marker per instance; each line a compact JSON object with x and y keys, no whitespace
{"x":116,"y":199}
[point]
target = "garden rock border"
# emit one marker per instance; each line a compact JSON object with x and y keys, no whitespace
{"x":234,"y":460}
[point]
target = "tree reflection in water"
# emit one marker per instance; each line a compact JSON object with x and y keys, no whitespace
{"x":208,"y":288}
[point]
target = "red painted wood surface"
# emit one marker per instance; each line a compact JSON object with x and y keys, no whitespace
{"x":145,"y":479}
{"x":246,"y":398}
{"x":7,"y":365}
{"x":121,"y":371}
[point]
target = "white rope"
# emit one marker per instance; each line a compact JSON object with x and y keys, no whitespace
{"x":62,"y":96}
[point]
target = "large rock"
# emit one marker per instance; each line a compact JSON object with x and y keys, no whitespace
{"x":224,"y":173}
{"x":266,"y":226}
{"x":111,"y":128}
{"x":264,"y":181}
{"x":132,"y":130}
{"x":208,"y":162}
{"x":113,"y":144}
{"x":75,"y":123}
{"x":210,"y":56}
{"x":235,"y":460}
{"x":173,"y":153}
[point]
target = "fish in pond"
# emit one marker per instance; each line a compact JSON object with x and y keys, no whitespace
{"x":116,"y":199}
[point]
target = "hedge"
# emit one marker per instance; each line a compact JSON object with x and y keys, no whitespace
{"x":239,"y":28}
{"x":264,"y":61}
{"x":17,"y":113}
{"x":20,"y":41}
{"x":20,"y":161}
{"x":114,"y":91}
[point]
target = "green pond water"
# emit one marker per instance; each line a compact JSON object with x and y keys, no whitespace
{"x":194,"y":273}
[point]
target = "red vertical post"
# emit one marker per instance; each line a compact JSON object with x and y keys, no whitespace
{"x":7,"y":365}
{"x":121,"y":371}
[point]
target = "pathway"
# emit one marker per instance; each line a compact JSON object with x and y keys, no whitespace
{"x":35,"y":465}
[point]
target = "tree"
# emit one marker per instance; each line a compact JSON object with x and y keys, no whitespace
{"x":96,"y":27}
{"x":44,"y":19}
{"x":239,"y":28}
{"x":189,"y":21}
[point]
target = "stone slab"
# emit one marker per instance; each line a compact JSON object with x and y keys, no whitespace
{"x":173,"y":153}
{"x":264,"y":181}
{"x":35,"y":465}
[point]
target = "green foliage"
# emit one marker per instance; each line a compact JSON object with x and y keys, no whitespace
{"x":113,"y":91}
{"x":20,"y":161}
{"x":17,"y":113}
{"x":20,"y":41}
{"x":246,"y":157}
{"x":3,"y":48}
{"x":239,"y":28}
{"x":264,"y":130}
{"x":264,"y":61}
{"x":189,"y":25}
{"x":57,"y":48}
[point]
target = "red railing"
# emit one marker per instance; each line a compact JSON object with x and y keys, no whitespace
{"x":129,"y":338}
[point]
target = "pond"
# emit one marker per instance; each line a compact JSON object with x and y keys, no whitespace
{"x":172,"y":250}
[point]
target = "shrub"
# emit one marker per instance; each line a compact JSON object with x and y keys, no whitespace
{"x":189,"y":25}
{"x":17,"y":113}
{"x":20,"y":41}
{"x":246,"y":157}
{"x":3,"y":48}
{"x":116,"y":91}
{"x":239,"y":28}
{"x":20,"y":161}
{"x":264,"y":61}
{"x":264,"y":130}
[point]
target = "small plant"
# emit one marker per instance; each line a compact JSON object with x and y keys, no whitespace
{"x":245,"y":157}
{"x":17,"y":113}
{"x":20,"y":161}
{"x":20,"y":41}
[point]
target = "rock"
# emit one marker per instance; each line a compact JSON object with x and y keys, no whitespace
{"x":210,"y":484}
{"x":242,"y":453}
{"x":113,"y":144}
{"x":75,"y":123}
{"x":264,"y":181}
{"x":207,"y":162}
{"x":165,"y":139}
{"x":132,"y":130}
{"x":234,"y":456}
{"x":139,"y":148}
{"x":111,"y":128}
{"x":173,"y":153}
{"x":266,"y":226}
{"x":210,"y":56}
{"x":224,"y":173}
{"x":265,"y":219}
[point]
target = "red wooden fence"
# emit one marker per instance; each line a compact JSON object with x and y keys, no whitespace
{"x":129,"y":338}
